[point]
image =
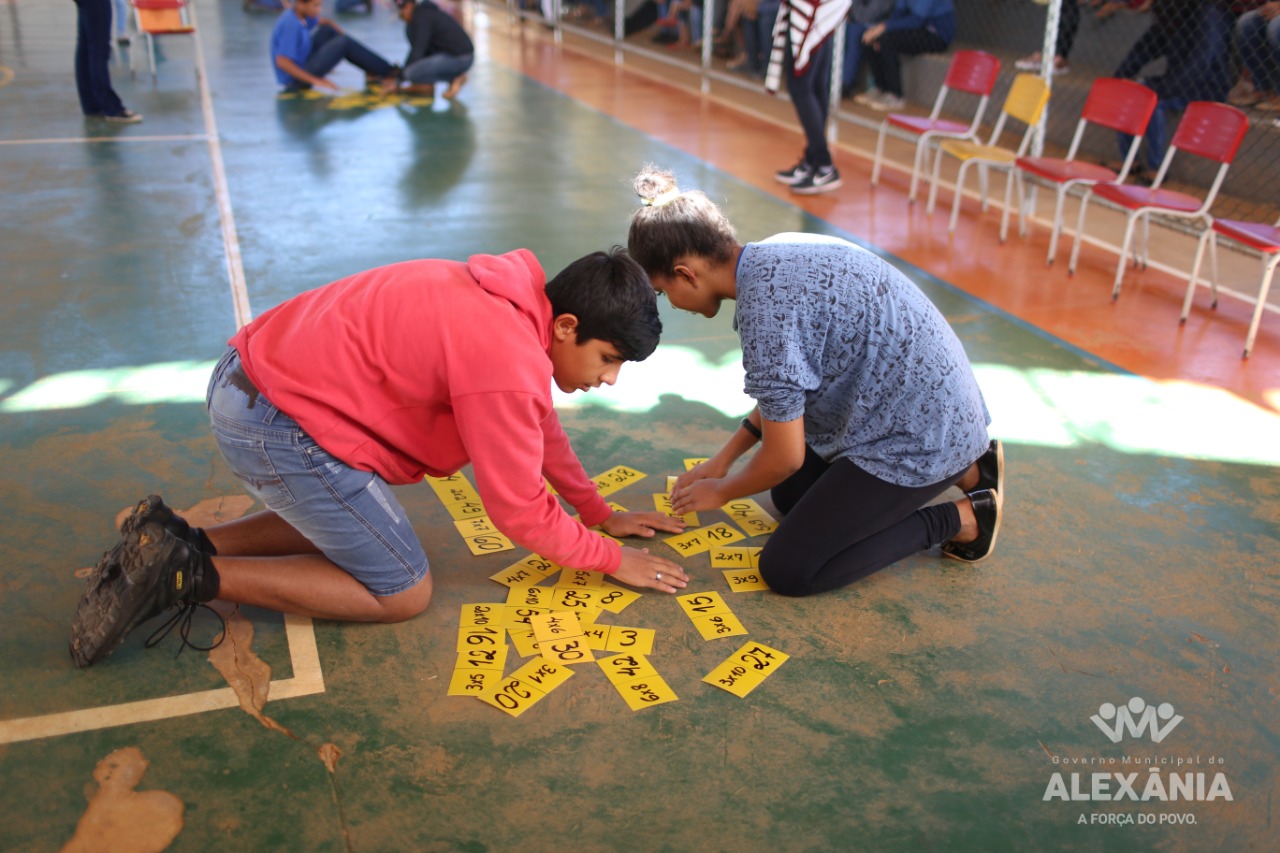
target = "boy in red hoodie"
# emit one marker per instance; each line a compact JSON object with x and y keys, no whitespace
{"x":382,"y":378}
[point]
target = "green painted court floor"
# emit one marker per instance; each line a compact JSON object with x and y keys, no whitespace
{"x":934,"y":706}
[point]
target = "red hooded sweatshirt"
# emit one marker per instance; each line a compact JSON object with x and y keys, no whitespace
{"x":421,"y":367}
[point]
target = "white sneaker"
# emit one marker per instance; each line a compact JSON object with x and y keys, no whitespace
{"x":868,"y":97}
{"x":888,"y":101}
{"x":1029,"y":63}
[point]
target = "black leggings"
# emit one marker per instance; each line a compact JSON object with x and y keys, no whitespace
{"x":841,"y":524}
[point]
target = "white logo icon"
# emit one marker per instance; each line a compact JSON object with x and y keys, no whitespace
{"x":1136,"y":717}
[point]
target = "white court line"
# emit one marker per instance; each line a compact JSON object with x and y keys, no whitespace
{"x":307,"y":679}
{"x":183,"y":137}
{"x":299,"y":630}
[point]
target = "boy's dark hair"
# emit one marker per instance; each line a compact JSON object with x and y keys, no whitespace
{"x":613,"y":300}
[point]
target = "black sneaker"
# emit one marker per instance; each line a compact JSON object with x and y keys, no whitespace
{"x":824,"y":180}
{"x":146,"y":572}
{"x":986,"y":506}
{"x":797,"y":173}
{"x":152,"y":509}
{"x":991,"y":468}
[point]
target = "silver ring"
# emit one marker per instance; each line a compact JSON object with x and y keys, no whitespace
{"x":658,"y":576}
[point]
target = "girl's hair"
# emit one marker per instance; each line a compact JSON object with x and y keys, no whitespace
{"x":672,"y":225}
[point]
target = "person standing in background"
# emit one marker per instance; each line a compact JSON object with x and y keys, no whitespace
{"x":93,"y":51}
{"x":802,"y":56}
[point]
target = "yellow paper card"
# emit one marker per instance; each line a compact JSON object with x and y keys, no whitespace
{"x":671,"y":482}
{"x":694,"y":462}
{"x":479,"y":637}
{"x":719,"y":625}
{"x":646,"y":692}
{"x":576,"y":600}
{"x":569,"y":578}
{"x":750,"y":516}
{"x":662,"y":503}
{"x":473,"y":682}
{"x":517,"y":617}
{"x":697,"y":604}
{"x":512,"y":696}
{"x":568,"y":651}
{"x":555,"y":626}
{"x":704,"y":538}
{"x":744,"y":580}
{"x":528,"y":571}
{"x":735,"y":558}
{"x":615,"y":598}
{"x":483,"y":659}
{"x":542,"y":676}
{"x":597,"y":636}
{"x":458,"y":496}
{"x":526,"y":644}
{"x":631,"y":640}
{"x":483,"y":613}
{"x":743,"y":671}
{"x":530,"y":596}
{"x":620,"y":669}
{"x":489,"y":543}
{"x":475,"y":526}
{"x":616,"y":478}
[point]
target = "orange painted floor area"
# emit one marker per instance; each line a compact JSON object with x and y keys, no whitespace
{"x":1140,"y":332}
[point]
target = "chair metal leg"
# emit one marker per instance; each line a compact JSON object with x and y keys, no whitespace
{"x":1146,"y":239}
{"x":875,"y":170}
{"x":955,"y":202}
{"x":1268,"y":273}
{"x":916,"y":168}
{"x":1213,"y":261}
{"x":983,"y":184}
{"x":933,"y":183}
{"x":1009,"y":181}
{"x":1075,"y":242}
{"x":1059,"y":204}
{"x":1130,"y":221}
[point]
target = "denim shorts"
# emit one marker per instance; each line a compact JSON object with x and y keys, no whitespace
{"x":352,"y":516}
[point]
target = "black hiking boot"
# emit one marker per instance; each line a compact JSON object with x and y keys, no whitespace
{"x":148,"y":571}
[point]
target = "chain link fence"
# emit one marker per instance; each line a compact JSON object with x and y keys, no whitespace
{"x":1183,"y":49}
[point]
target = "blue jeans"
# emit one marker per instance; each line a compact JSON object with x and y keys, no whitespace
{"x":121,"y":16}
{"x":853,"y":52}
{"x":93,"y":50}
{"x":329,"y":47}
{"x":352,"y":516}
{"x":810,"y":93}
{"x":438,"y":68}
{"x":1157,"y":135}
{"x":1259,"y":42}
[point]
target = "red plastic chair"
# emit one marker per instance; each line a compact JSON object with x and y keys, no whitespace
{"x":1255,"y":235}
{"x":1210,"y":130}
{"x":971,"y":71}
{"x":1121,"y":105}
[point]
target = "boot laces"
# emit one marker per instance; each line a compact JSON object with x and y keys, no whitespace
{"x":181,"y":619}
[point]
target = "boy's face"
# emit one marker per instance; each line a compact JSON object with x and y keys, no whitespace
{"x":406,"y":12}
{"x":581,"y":367}
{"x":307,"y":8}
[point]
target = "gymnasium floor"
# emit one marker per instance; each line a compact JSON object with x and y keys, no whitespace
{"x":926,"y":708}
